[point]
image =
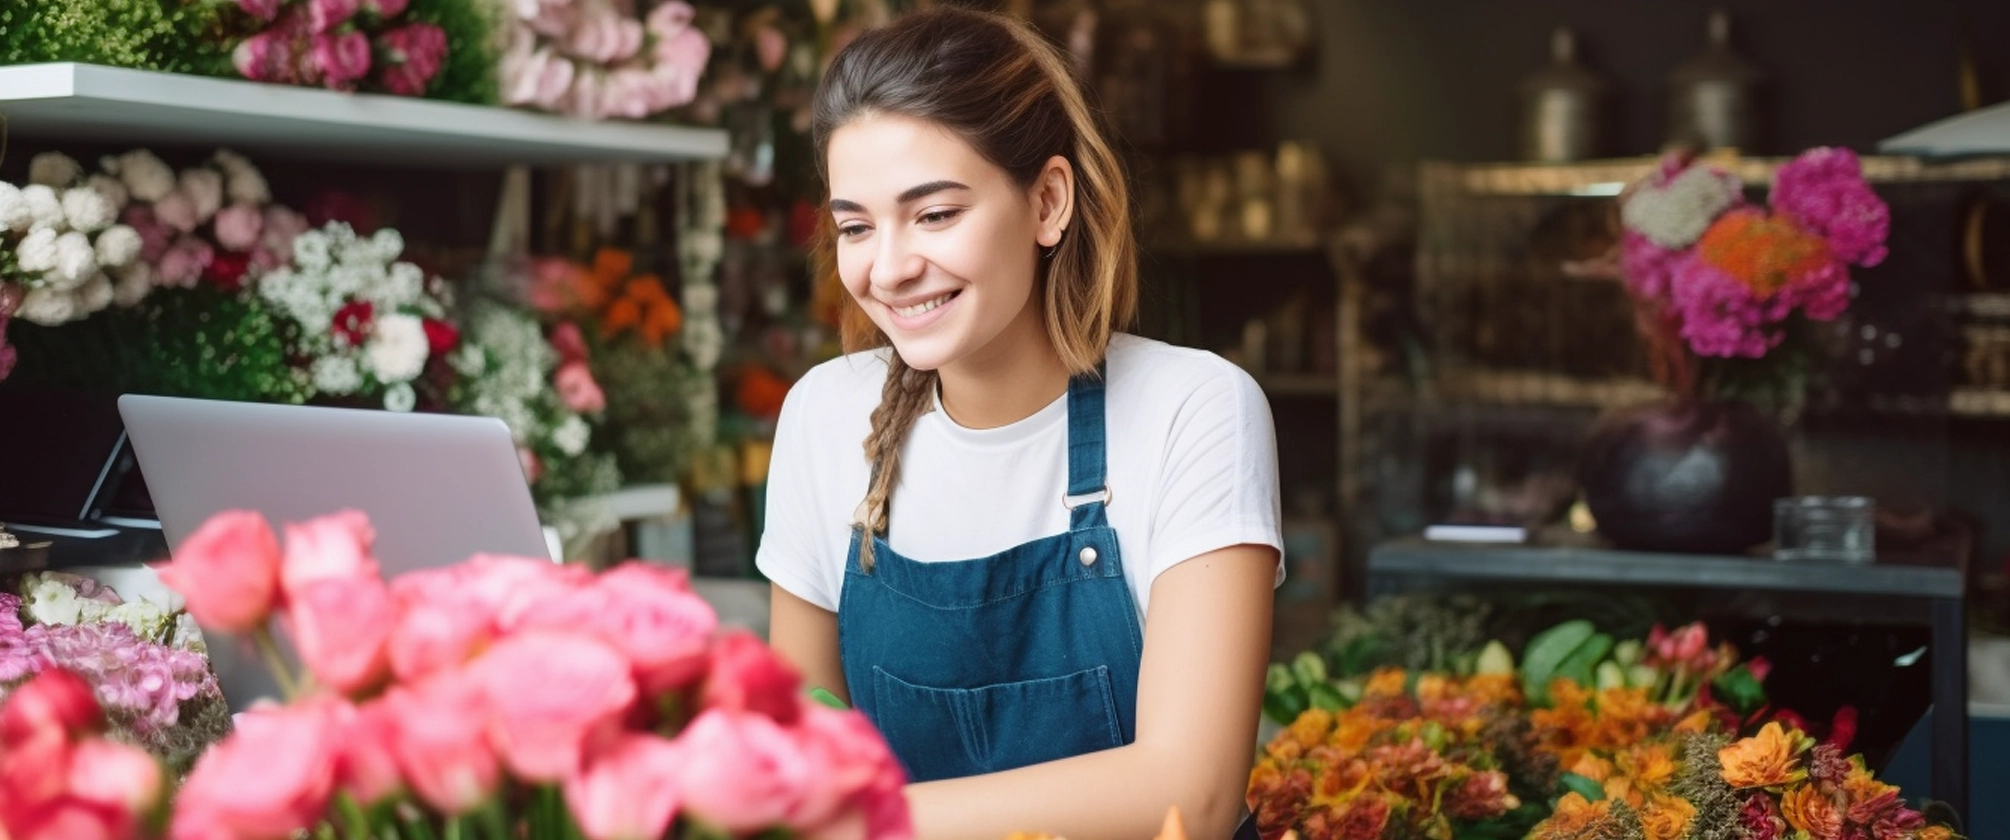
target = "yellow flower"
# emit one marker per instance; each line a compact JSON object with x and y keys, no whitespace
{"x":1651,"y":766}
{"x":1667,"y":818}
{"x":1385,"y":682}
{"x":1936,"y":832}
{"x":1433,"y":687}
{"x":1697,"y":723}
{"x":1592,"y":767}
{"x":1810,"y":809}
{"x":1494,"y":688}
{"x":1768,"y":759}
{"x":1574,"y":814}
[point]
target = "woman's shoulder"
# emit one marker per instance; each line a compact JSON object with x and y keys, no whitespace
{"x":1169,"y":370}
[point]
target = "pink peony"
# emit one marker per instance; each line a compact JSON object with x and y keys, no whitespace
{"x":323,"y":16}
{"x":606,"y":39}
{"x":648,"y":614}
{"x":742,"y":773}
{"x":268,"y":56}
{"x":552,"y":697}
{"x":67,"y":818}
{"x":331,"y":547}
{"x":342,"y":59}
{"x":747,"y":676}
{"x":441,"y":742}
{"x":341,"y":627}
{"x":183,"y":263}
{"x":627,"y":791}
{"x":415,"y":54}
{"x":239,"y":226}
{"x":227,"y":571}
{"x":1823,"y":191}
{"x":272,"y":776}
{"x":117,"y":775}
{"x":577,"y":389}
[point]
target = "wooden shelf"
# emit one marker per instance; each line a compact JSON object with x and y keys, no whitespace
{"x":1607,"y":177}
{"x":141,"y":108}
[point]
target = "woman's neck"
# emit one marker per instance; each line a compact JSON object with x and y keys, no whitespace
{"x":1009,"y":380}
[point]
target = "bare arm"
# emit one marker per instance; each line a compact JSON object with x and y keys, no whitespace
{"x":1199,"y":694}
{"x":805,"y":635}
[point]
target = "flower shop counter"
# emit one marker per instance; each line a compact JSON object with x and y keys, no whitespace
{"x":1861,"y":618}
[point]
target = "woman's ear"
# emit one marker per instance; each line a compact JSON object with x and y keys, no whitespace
{"x":1054,"y":199}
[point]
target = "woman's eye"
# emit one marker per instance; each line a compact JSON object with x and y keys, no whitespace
{"x":936,"y":217}
{"x":851,"y":231}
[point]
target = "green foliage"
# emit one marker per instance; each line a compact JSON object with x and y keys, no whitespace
{"x":197,"y":342}
{"x":474,"y":48}
{"x":175,"y":36}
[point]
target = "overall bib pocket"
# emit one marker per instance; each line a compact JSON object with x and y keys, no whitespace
{"x":943,"y":732}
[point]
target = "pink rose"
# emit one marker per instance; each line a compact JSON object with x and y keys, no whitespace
{"x":741,"y":772}
{"x":265,"y":57}
{"x":436,"y":636}
{"x":853,"y":767}
{"x":184,"y":262}
{"x":687,"y":50}
{"x":282,"y":226}
{"x":627,"y":791}
{"x":273,"y":776}
{"x":670,"y":19}
{"x":552,"y":696}
{"x":227,"y":571}
{"x":366,"y":768}
{"x":770,"y":48}
{"x":341,"y":626}
{"x":154,"y":236}
{"x":629,"y":93}
{"x":569,"y":342}
{"x":331,"y":547}
{"x":324,"y":15}
{"x":606,"y":38}
{"x":121,"y":776}
{"x":577,"y":389}
{"x":56,"y":703}
{"x":67,"y":818}
{"x":648,"y":614}
{"x":264,"y":10}
{"x":177,"y":210}
{"x":415,"y":52}
{"x":747,"y":676}
{"x":343,"y":58}
{"x":239,"y":226}
{"x":540,"y":78}
{"x":441,"y":742}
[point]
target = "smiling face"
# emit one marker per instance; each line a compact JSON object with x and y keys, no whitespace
{"x":939,"y":246}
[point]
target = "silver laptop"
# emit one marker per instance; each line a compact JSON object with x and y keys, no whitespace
{"x":437,"y":488}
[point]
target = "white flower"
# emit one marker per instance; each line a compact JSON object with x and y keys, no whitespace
{"x":51,"y":601}
{"x":37,"y":251}
{"x":188,"y":635}
{"x":336,"y":375}
{"x":48,"y":307}
{"x":389,"y":244}
{"x":572,"y":435}
{"x":700,"y":298}
{"x":44,"y":206}
{"x":400,"y":397}
{"x":14,"y":212}
{"x":204,"y":187}
{"x":242,"y":180}
{"x":356,"y":252}
{"x":86,"y":209}
{"x":397,"y":349}
{"x":149,"y":621}
{"x":310,"y":250}
{"x":704,"y":340}
{"x":147,"y":177}
{"x":53,"y":169}
{"x":96,"y":294}
{"x":1674,"y":215}
{"x":401,"y":286}
{"x":112,"y":189}
{"x":117,"y":246}
{"x":135,"y":280}
{"x":76,"y":261}
{"x":468,"y":359}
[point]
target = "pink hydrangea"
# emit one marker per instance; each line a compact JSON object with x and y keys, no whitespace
{"x":1823,"y":191}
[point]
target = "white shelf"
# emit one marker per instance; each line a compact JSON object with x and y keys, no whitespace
{"x":88,"y":102}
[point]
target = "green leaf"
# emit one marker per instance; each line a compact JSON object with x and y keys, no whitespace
{"x":1308,"y":668}
{"x":1740,"y":690}
{"x":1583,"y":786}
{"x":1326,"y":696}
{"x":1495,"y":658}
{"x":824,"y":697}
{"x":1610,"y":675}
{"x":1546,"y":652}
{"x":1284,"y":707}
{"x":1580,"y":666}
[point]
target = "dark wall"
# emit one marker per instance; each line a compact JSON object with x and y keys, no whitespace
{"x":1400,"y":80}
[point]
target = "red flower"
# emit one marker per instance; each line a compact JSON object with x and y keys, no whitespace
{"x":1761,"y":818}
{"x":440,"y":336}
{"x":226,"y":270}
{"x":352,"y":323}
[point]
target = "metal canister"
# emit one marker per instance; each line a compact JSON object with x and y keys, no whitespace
{"x":1563,"y":107}
{"x":1714,"y":98}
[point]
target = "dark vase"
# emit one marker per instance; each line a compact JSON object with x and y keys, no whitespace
{"x":1694,"y":477}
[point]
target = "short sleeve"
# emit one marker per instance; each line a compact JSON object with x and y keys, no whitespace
{"x":1219,"y":485}
{"x":794,"y":538}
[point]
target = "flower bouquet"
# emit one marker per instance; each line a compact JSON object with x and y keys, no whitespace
{"x":61,"y":240}
{"x":596,"y":59}
{"x":340,"y":45}
{"x":498,"y":698}
{"x":146,"y":665}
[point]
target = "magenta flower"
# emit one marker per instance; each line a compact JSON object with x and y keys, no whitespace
{"x":1823,"y":191}
{"x":414,"y":54}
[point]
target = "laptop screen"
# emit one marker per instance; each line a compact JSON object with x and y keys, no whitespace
{"x":64,"y":446}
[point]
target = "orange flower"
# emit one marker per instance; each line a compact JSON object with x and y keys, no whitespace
{"x":1936,"y":832}
{"x":1766,"y":253}
{"x":1651,"y":766}
{"x":1768,"y":759}
{"x":1494,"y":689}
{"x":1434,"y":688}
{"x":1697,"y":723}
{"x":1809,"y":808}
{"x":1574,"y":814}
{"x":1592,"y":767}
{"x":1385,"y":682}
{"x":1667,"y":818}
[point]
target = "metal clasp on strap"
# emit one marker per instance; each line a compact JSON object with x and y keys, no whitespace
{"x":1072,"y":502}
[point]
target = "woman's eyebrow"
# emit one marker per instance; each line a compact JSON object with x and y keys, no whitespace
{"x":914,"y":193}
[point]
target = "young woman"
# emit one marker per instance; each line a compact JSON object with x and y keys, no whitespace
{"x":1047,"y":577}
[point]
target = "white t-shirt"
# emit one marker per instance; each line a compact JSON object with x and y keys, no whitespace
{"x":1192,"y":467}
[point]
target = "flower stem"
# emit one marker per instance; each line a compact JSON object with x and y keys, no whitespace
{"x":275,"y":662}
{"x":353,"y":818}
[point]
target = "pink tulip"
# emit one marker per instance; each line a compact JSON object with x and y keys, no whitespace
{"x":441,"y":742}
{"x":272,"y":776}
{"x":227,"y":571}
{"x":747,"y":676}
{"x":342,"y":59}
{"x":332,"y":547}
{"x":852,"y":764}
{"x":324,"y":16}
{"x":577,"y":389}
{"x":366,"y":767}
{"x":627,"y":791}
{"x":648,"y":614}
{"x":741,"y":772}
{"x":117,"y":775}
{"x":341,"y":627}
{"x":238,"y":227}
{"x":552,"y":697}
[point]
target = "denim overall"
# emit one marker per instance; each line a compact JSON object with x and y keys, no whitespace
{"x":1028,"y":655}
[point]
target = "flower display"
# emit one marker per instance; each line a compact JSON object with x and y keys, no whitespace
{"x":63,"y":240}
{"x":341,"y":45}
{"x":596,"y":60}
{"x":501,"y":697}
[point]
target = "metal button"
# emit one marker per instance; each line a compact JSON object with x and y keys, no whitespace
{"x":1088,"y":555}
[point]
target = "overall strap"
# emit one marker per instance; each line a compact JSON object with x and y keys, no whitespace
{"x":1088,"y":484}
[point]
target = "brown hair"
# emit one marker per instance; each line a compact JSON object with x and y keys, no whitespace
{"x":1008,"y":92}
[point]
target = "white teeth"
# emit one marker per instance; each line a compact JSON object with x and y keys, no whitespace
{"x":924,"y":306}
